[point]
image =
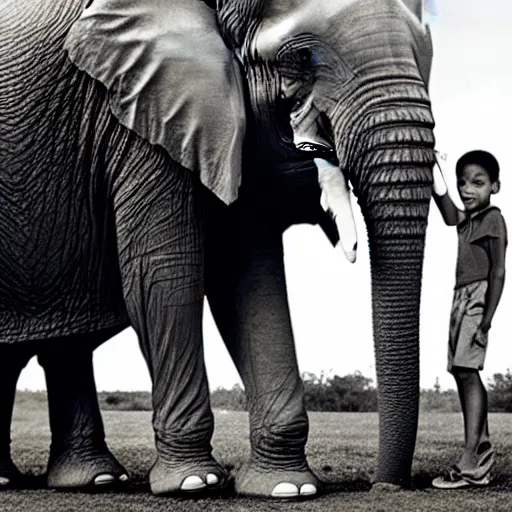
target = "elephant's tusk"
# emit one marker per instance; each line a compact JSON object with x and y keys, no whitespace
{"x":336,"y":199}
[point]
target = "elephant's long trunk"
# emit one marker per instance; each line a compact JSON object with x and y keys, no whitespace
{"x":393,"y":180}
{"x":396,"y":207}
{"x":396,"y":286}
{"x":396,"y":215}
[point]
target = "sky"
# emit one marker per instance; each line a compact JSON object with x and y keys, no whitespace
{"x":330,"y":301}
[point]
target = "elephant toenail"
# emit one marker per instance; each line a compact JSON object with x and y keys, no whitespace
{"x":212,"y":479}
{"x":4,"y":481}
{"x":192,"y":483}
{"x":285,"y":490}
{"x":123,"y":478}
{"x":308,"y":490}
{"x":104,"y":479}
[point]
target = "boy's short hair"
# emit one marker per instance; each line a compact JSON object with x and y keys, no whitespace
{"x":483,"y":159}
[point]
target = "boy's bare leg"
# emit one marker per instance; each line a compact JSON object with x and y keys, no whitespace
{"x":484,"y":438}
{"x":473,"y":396}
{"x":462,"y":399}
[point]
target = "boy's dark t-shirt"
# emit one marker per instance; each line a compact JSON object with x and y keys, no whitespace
{"x":473,"y":259}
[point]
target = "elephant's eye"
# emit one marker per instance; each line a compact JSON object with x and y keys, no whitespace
{"x":296,"y":62}
{"x":305,"y":56}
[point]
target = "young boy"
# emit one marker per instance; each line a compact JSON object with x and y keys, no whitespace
{"x":480,"y":277}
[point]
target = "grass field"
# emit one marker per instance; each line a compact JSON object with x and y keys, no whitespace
{"x":342,"y":451}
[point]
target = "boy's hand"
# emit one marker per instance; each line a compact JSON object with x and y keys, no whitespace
{"x":439,"y":187}
{"x":480,"y":337}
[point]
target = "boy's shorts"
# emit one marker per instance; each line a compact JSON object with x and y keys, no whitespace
{"x":466,"y":316}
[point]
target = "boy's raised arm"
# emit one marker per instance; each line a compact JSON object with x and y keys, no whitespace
{"x":451,"y":214}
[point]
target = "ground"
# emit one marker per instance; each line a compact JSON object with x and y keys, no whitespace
{"x":342,"y":450}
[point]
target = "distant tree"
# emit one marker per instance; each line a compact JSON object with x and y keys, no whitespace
{"x":435,"y":400}
{"x":125,"y":400}
{"x":231,"y":399}
{"x":112,"y":400}
{"x":351,"y":393}
{"x":500,"y":392}
{"x":437,"y":387}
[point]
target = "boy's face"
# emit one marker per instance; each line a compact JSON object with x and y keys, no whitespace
{"x":475,"y":187}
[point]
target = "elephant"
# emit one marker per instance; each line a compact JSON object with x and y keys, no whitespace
{"x":336,"y":92}
{"x":342,"y":81}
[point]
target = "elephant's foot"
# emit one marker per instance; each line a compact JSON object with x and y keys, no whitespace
{"x":9,"y":473}
{"x":252,"y":480}
{"x":186,"y":477}
{"x":84,"y":468}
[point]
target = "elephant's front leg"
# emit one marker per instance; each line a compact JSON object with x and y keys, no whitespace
{"x":13,"y":358}
{"x":79,"y":457}
{"x":161,"y":258}
{"x":246,"y":290}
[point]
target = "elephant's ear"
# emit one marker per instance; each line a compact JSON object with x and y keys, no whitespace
{"x":171,"y":79}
